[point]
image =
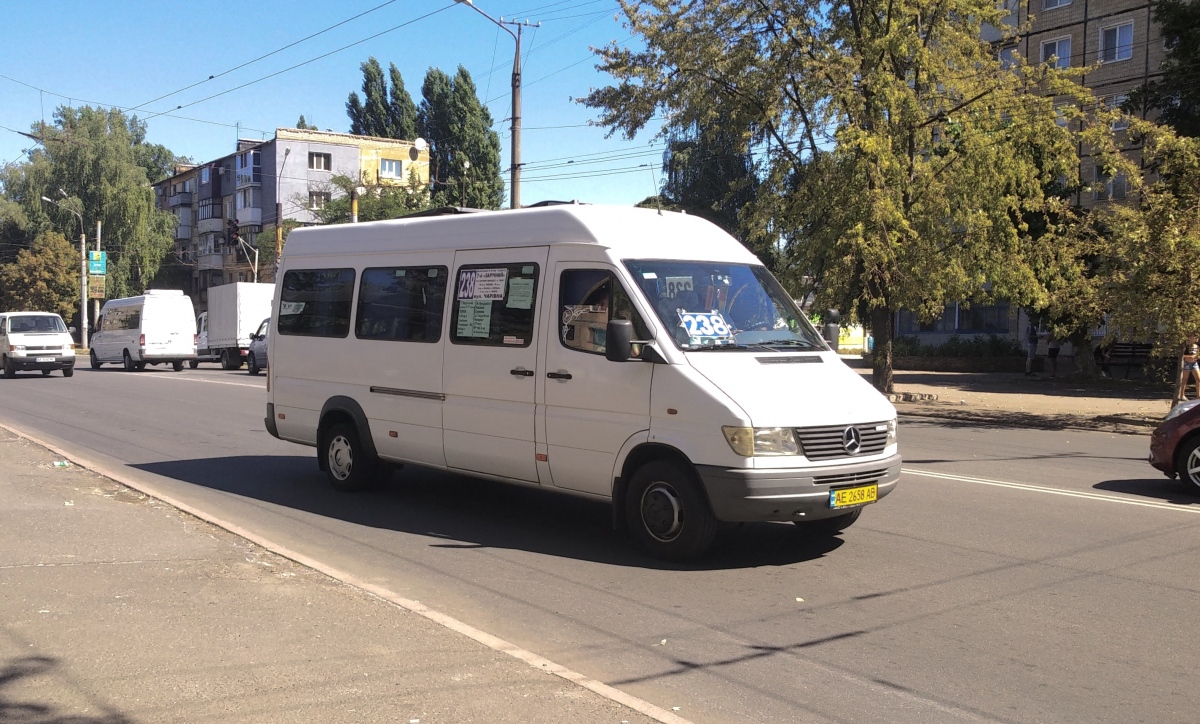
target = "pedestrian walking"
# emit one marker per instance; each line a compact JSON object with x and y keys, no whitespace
{"x":1191,"y":366}
{"x":1031,"y":342}
{"x":1052,"y":348}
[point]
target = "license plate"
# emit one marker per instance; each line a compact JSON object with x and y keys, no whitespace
{"x":44,"y":359}
{"x":847,"y":497}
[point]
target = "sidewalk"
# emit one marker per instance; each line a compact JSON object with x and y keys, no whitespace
{"x":1007,"y":398}
{"x":118,"y":608}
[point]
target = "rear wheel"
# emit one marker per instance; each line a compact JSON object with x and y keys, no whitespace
{"x":252,"y":364}
{"x":46,"y":373}
{"x":193,"y":363}
{"x":229,"y":361}
{"x":829,"y":526}
{"x":10,"y":370}
{"x":127,"y":362}
{"x":94,"y":359}
{"x":668,"y":513}
{"x":177,"y":366}
{"x":68,"y":371}
{"x":347,"y":464}
{"x":1187,"y":464}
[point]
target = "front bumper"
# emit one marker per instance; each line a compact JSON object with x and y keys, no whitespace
{"x":744,"y":495}
{"x":58,"y":362}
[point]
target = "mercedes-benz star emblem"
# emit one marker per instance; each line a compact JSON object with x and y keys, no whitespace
{"x":852,"y":440}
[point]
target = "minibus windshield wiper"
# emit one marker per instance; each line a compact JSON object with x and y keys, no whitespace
{"x":716,"y":347}
{"x":789,"y":343}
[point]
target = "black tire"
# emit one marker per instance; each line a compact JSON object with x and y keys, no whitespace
{"x":668,"y":513}
{"x":252,"y":364}
{"x":229,"y":362}
{"x":10,"y":370}
{"x":94,"y":359}
{"x":141,"y":365}
{"x":68,"y":371}
{"x":1187,"y":464}
{"x":177,"y":366}
{"x":347,"y":464}
{"x":127,"y":362}
{"x":830,"y":526}
{"x":193,"y":363}
{"x":46,"y":373}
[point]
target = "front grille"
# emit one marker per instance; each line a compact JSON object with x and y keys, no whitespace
{"x":866,"y":476}
{"x":825,"y":443}
{"x":55,"y":348}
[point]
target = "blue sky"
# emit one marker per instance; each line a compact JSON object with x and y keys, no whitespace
{"x":129,"y":54}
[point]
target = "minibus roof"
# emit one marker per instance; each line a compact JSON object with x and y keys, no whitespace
{"x":629,"y":232}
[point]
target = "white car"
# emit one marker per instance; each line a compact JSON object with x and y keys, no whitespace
{"x":35,"y":341}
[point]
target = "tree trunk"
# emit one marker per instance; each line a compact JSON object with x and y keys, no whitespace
{"x":1085,"y":356}
{"x":881,"y":361}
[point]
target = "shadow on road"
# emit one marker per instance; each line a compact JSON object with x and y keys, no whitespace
{"x":12,"y":711}
{"x":466,"y":513}
{"x":1163,"y":488}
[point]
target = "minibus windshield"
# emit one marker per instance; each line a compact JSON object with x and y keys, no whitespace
{"x":35,"y":323}
{"x":711,"y":306}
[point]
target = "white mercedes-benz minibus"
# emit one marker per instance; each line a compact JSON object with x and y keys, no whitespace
{"x":629,"y":355}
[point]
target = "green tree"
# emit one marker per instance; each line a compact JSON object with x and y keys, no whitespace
{"x":897,"y":157}
{"x":99,"y":157}
{"x":382,"y":111}
{"x":1176,"y":95}
{"x":305,"y":126}
{"x":377,"y":201}
{"x":43,"y":278}
{"x":464,"y":150}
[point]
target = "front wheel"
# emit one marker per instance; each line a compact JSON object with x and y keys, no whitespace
{"x":668,"y":513}
{"x":94,"y":359}
{"x":348,"y":465}
{"x":193,"y":363}
{"x":68,"y":371}
{"x":1187,"y":464}
{"x":829,"y":526}
{"x":177,"y":366}
{"x":252,"y":364}
{"x":10,"y":370}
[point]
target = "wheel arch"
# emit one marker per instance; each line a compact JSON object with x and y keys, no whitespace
{"x":344,"y":409}
{"x":1184,"y":441}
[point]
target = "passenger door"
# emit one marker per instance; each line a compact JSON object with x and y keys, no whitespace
{"x":592,"y":406}
{"x":491,"y":362}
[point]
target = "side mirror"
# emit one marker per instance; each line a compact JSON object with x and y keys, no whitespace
{"x":618,"y":340}
{"x":70,"y":330}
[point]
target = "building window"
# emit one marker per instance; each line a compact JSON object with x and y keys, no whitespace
{"x":320,"y":162}
{"x":204,"y":175}
{"x":391,"y":168}
{"x":1051,"y":4}
{"x":248,"y":198}
{"x":317,"y":199}
{"x":1116,"y":43}
{"x":1115,"y":103}
{"x":1058,"y":52}
{"x":959,"y":319}
{"x":1060,"y":115}
{"x":209,"y":209}
{"x":1108,"y":188}
{"x":1008,"y":57}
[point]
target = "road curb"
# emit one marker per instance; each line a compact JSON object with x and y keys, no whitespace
{"x":492,"y":642}
{"x":1102,"y":423}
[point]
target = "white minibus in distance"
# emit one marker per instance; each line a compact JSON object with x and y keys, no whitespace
{"x":639,"y":357}
{"x":158,"y":327}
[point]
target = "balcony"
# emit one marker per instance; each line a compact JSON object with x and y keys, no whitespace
{"x":249,"y":216}
{"x":183,"y":232}
{"x":180,"y":199}
{"x":210,"y":226}
{"x":210,"y":261}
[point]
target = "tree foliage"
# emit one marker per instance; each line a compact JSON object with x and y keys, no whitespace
{"x":464,"y":150}
{"x":897,"y":158}
{"x":383,"y":111}
{"x":43,"y":278}
{"x":376,"y":202}
{"x":304,"y":125}
{"x":1176,"y":95}
{"x":99,"y":160}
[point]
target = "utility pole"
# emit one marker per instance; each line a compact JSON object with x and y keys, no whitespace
{"x":514,"y":172}
{"x":96,"y":302}
{"x":279,"y":210}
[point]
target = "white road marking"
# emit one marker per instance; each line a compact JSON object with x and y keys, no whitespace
{"x":199,"y":379}
{"x":1054,"y":491}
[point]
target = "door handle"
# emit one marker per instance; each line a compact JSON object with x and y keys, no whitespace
{"x":518,"y":372}
{"x":559,"y":375}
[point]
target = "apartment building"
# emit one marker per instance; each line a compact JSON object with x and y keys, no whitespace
{"x":295,"y":170}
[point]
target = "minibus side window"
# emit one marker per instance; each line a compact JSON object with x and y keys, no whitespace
{"x":588,"y":299}
{"x":316,"y":302}
{"x":402,"y":303}
{"x":494,"y":304}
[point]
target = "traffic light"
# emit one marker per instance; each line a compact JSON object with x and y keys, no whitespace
{"x":231,"y":235}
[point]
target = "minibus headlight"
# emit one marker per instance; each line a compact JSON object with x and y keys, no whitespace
{"x":761,"y":441}
{"x":16,"y":348}
{"x":891,"y":432}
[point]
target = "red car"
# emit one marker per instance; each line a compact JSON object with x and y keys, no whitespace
{"x":1175,"y":445}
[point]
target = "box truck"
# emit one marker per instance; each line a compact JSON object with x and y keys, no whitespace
{"x":235,"y":311}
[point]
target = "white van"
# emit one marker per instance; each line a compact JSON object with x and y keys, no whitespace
{"x":35,"y":341}
{"x":158,"y":327}
{"x":621,"y":354}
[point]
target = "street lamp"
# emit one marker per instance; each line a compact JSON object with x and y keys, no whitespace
{"x":83,"y":271}
{"x":515,"y":170}
{"x":279,"y":209}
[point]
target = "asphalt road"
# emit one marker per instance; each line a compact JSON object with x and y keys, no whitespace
{"x":1013,"y":576}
